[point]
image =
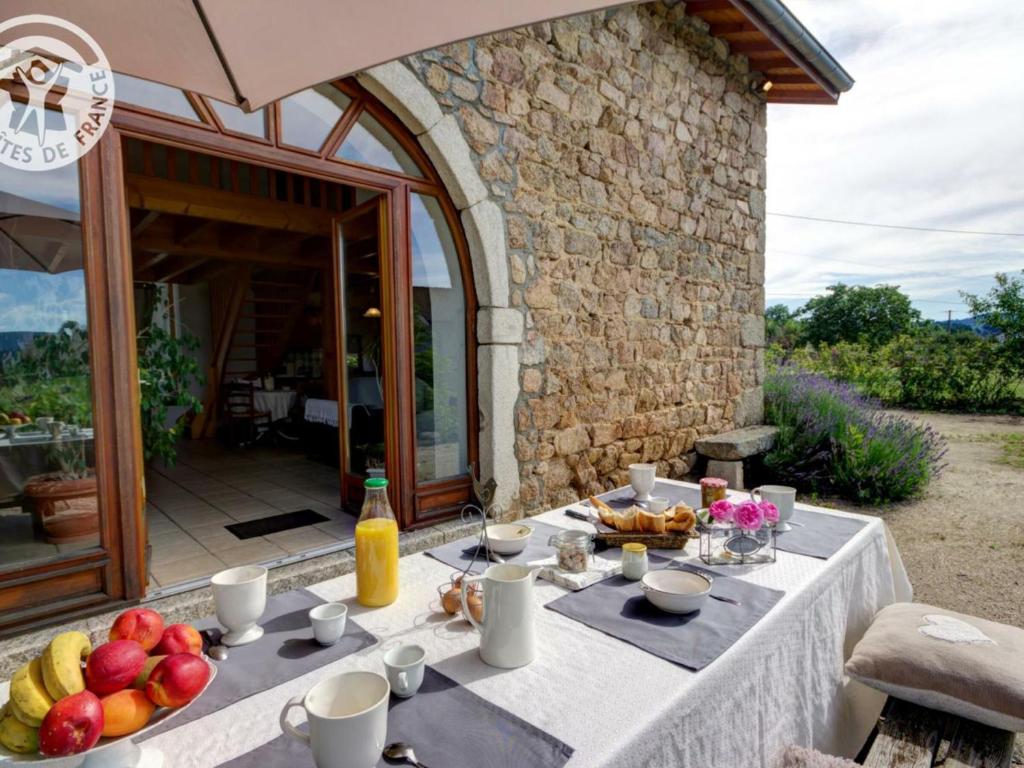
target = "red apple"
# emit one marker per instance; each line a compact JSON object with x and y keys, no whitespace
{"x":179,"y":638}
{"x":74,"y":724}
{"x":177,"y":680}
{"x":113,"y":666}
{"x":142,"y":625}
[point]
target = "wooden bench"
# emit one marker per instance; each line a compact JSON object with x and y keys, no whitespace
{"x":911,"y":736}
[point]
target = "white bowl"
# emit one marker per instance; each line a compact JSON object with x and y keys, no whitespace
{"x":676,"y":591}
{"x":508,"y":538}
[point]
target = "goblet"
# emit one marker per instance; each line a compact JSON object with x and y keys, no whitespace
{"x":240,"y":597}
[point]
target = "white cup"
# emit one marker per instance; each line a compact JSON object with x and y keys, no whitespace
{"x":240,"y":597}
{"x":404,"y":668}
{"x":657,"y":505}
{"x":348,"y":720}
{"x":783,"y":497}
{"x":328,"y":622}
{"x":641,"y":477}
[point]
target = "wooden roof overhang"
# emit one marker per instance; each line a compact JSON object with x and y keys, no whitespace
{"x":794,"y":79}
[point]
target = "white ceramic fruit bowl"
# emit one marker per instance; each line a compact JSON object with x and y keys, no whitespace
{"x":508,"y":538}
{"x":676,"y":591}
{"x":121,"y":752}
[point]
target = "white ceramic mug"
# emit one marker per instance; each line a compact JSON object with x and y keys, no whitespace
{"x":783,"y":497}
{"x":348,"y":720}
{"x":641,"y":477}
{"x":328,"y":622}
{"x":657,"y":505}
{"x":240,"y":597}
{"x":404,"y":668}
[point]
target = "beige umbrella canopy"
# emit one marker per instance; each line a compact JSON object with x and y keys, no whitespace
{"x":253,"y":52}
{"x":38,"y":237}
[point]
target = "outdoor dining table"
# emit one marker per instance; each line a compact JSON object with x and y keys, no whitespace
{"x":782,"y":682}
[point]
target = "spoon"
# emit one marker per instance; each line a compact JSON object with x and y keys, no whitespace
{"x":219,"y":652}
{"x":402,"y":751}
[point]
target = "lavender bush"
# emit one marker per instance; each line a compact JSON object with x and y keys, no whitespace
{"x":834,"y":440}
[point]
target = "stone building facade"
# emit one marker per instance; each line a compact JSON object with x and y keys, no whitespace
{"x":626,"y":151}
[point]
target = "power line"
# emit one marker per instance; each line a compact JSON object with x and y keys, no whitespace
{"x":896,"y":226}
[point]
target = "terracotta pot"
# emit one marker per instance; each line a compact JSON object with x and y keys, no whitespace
{"x":67,"y":510}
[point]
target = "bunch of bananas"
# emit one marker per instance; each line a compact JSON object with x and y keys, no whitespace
{"x":37,"y":685}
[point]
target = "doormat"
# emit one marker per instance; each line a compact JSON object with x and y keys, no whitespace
{"x":276,"y":523}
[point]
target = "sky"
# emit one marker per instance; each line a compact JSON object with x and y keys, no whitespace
{"x":931,"y":135}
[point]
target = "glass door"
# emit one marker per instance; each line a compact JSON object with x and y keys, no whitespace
{"x":365,"y":338}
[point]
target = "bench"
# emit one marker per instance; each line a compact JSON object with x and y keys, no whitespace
{"x":725,"y":452}
{"x":912,"y":736}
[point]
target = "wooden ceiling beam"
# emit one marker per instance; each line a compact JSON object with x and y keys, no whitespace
{"x":166,"y":272}
{"x":224,"y":252}
{"x":748,"y":47}
{"x":147,"y":218}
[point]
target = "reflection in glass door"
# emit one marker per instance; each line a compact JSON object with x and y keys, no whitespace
{"x":364,"y":313}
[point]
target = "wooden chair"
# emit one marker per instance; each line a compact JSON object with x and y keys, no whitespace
{"x":912,"y":736}
{"x":241,"y":416}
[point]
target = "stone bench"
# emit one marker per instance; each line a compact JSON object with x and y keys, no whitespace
{"x":725,"y":452}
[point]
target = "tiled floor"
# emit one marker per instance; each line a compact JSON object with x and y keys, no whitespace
{"x":188,"y":505}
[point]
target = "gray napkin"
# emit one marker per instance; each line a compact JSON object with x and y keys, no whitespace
{"x":618,"y":608}
{"x":448,"y":725}
{"x":459,"y":553}
{"x":817,"y":534}
{"x":287,"y":650}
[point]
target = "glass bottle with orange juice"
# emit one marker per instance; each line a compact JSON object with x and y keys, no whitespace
{"x":376,"y":547}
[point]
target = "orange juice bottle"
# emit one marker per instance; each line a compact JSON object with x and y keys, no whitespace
{"x":376,"y":547}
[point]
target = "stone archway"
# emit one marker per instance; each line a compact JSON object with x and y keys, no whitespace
{"x":499,"y":327}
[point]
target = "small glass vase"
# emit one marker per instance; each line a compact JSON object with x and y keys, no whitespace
{"x":725,"y":544}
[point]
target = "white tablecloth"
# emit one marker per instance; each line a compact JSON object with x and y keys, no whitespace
{"x":276,"y":403}
{"x":322,"y":411}
{"x":615,"y":704}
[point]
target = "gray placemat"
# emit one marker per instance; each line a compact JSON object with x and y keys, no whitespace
{"x":287,"y":650}
{"x":618,"y":608}
{"x":449,"y":726}
{"x":459,"y":553}
{"x":816,"y":534}
{"x":622,"y":498}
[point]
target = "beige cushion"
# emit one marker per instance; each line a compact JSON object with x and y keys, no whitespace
{"x":946,"y":661}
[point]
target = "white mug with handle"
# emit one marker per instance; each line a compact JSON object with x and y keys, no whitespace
{"x":783,"y":497}
{"x":348,"y":720}
{"x":404,"y":668}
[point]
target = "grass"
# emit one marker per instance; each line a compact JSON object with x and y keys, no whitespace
{"x":1012,"y":445}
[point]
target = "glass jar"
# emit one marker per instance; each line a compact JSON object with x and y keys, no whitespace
{"x":572,"y":550}
{"x":634,"y":560}
{"x":376,"y":547}
{"x":712,"y":489}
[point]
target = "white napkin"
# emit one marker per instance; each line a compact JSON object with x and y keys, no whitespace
{"x":600,"y":569}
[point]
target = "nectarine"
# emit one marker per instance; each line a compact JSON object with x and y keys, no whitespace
{"x":113,"y":666}
{"x":74,"y":724}
{"x":126,"y":712}
{"x":142,"y":625}
{"x":180,"y":638}
{"x":177,"y":680}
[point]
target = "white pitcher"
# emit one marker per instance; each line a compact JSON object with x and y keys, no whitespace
{"x":507,"y":636}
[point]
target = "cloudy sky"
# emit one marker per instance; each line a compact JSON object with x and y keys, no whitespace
{"x":931,"y":135}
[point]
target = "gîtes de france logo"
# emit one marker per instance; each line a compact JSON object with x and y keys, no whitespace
{"x":56,"y":92}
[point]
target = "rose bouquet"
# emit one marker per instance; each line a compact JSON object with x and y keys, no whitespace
{"x":738,"y":533}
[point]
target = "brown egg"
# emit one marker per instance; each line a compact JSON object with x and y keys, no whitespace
{"x":475,"y":603}
{"x":451,"y":601}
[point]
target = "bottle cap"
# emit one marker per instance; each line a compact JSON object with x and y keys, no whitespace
{"x":375,"y":482}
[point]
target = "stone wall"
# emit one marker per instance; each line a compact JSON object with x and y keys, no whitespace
{"x":628,"y":155}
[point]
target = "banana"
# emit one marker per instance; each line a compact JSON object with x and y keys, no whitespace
{"x":29,"y":694}
{"x":17,"y":736}
{"x":62,"y":664}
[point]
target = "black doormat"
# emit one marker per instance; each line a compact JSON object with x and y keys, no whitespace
{"x":276,"y":523}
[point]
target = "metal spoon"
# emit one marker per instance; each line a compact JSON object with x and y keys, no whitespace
{"x":218,"y":652}
{"x":402,"y":751}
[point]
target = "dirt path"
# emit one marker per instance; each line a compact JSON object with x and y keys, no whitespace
{"x":963,"y":541}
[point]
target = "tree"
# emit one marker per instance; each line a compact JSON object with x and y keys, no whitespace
{"x":873,"y":315}
{"x":781,"y":326}
{"x":1003,"y":310}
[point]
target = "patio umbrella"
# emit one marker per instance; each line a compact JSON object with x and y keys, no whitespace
{"x":38,"y":237}
{"x":253,"y":52}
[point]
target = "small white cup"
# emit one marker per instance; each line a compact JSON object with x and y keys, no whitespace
{"x":328,"y":622}
{"x":641,"y":477}
{"x":783,"y":497}
{"x":240,"y":597}
{"x":657,"y":505}
{"x":404,"y":668}
{"x":348,"y":720}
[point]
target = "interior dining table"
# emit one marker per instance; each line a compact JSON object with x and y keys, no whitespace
{"x":613,"y":703}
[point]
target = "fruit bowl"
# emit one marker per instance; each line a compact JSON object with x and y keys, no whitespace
{"x":120,"y":752}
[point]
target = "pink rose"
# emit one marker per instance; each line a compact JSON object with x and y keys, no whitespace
{"x":749,"y":516}
{"x":770,"y":511}
{"x":722,"y":511}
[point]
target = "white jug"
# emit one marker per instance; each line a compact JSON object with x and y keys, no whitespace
{"x":507,"y":636}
